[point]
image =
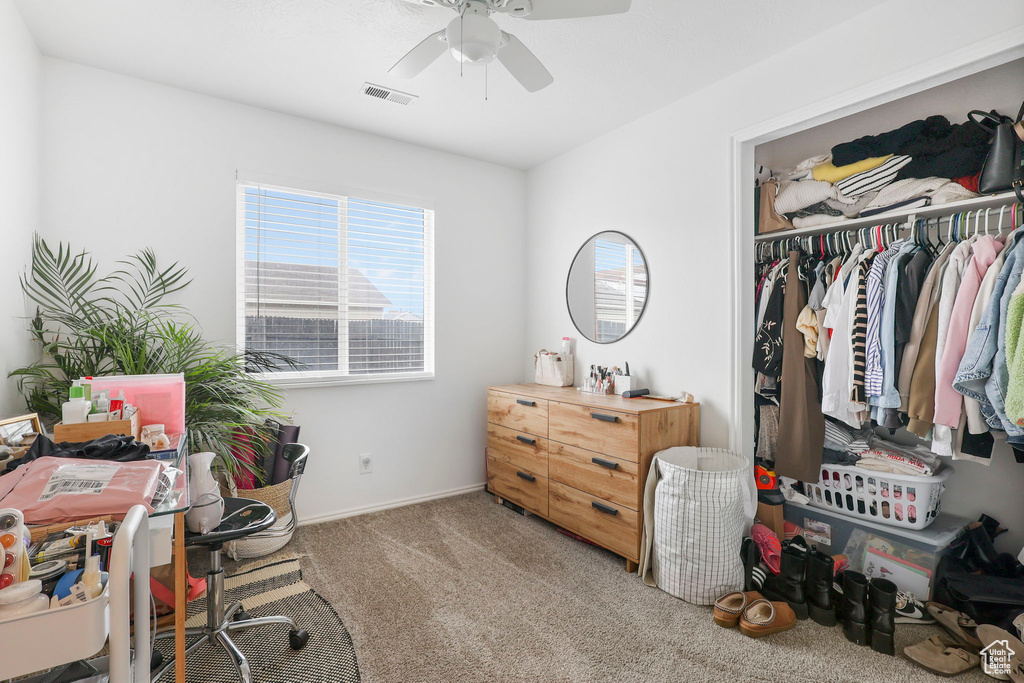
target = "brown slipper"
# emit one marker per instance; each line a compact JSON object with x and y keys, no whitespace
{"x":762,"y":618}
{"x":959,"y":625}
{"x":1002,"y":654}
{"x":730,"y":606}
{"x":943,"y":656}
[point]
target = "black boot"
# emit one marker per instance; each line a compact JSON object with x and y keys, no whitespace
{"x":882,"y":615}
{"x":991,"y":526}
{"x":791,"y":576}
{"x":819,"y":588}
{"x":855,"y":612}
{"x":984,"y":553}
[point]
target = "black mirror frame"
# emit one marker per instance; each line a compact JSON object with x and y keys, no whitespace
{"x":647,"y":298}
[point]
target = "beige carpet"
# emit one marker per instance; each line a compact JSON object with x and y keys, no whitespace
{"x":461,"y":589}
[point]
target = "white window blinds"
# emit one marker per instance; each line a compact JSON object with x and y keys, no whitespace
{"x":340,"y":285}
{"x":620,"y":288}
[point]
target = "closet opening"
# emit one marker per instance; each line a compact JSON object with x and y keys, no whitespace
{"x":935,"y":216}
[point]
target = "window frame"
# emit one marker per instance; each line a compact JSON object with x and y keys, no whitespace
{"x":325,"y":378}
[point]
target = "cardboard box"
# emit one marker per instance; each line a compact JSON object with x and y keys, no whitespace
{"x":773,"y":517}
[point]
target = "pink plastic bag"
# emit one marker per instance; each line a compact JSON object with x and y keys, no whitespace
{"x":51,"y":489}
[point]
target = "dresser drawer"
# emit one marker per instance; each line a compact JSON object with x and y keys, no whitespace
{"x":601,"y":475}
{"x":519,"y":486}
{"x":595,"y":429}
{"x":613,"y":526}
{"x":522,"y":413}
{"x":519,"y":449}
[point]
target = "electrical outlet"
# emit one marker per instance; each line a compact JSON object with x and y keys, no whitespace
{"x":365,"y":463}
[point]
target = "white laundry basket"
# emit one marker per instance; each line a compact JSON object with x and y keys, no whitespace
{"x":908,"y":501}
{"x":698,"y":504}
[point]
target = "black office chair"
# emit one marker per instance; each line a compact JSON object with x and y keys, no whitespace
{"x":242,"y":517}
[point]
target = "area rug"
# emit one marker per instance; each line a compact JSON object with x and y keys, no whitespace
{"x":265,"y":588}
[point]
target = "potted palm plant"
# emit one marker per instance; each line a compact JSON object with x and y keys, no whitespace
{"x":122,"y":323}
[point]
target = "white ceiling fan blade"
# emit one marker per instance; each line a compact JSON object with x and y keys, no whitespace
{"x":569,"y":9}
{"x":523,"y":64}
{"x":420,"y":57}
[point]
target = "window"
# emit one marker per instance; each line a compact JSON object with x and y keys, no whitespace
{"x":340,"y":284}
{"x":620,"y":288}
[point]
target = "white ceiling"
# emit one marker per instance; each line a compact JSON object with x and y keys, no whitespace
{"x":310,"y":57}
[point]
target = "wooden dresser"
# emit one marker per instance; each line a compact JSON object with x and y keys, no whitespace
{"x":580,"y":460}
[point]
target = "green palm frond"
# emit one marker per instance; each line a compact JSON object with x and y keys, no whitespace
{"x":122,"y":324}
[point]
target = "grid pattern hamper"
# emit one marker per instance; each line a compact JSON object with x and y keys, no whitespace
{"x":703,"y":503}
{"x":900,"y":500}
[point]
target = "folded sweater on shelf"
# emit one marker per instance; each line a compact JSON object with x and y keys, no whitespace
{"x":831,"y":173}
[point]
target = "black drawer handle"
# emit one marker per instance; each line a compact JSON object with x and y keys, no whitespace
{"x":528,"y":404}
{"x":604,"y":418}
{"x":607,"y":509}
{"x":605,"y":463}
{"x":526,"y":439}
{"x":527,"y":477}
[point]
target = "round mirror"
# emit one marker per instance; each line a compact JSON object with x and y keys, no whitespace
{"x":607,"y":287}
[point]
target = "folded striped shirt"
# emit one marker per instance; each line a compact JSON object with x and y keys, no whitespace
{"x":874,"y":179}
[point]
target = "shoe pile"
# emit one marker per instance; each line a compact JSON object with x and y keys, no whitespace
{"x":975,"y":552}
{"x":968,"y":645}
{"x":804,"y":579}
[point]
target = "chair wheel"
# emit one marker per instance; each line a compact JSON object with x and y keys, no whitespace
{"x":156,"y":660}
{"x":298,"y":639}
{"x":240,"y":615}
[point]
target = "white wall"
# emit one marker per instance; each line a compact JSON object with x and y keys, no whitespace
{"x":129,"y":164}
{"x":665,"y":180}
{"x":19,"y":191}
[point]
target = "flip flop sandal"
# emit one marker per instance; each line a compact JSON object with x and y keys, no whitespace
{"x":993,"y":638}
{"x":771,"y":547}
{"x":959,"y":625}
{"x":730,"y":606}
{"x":943,"y":656}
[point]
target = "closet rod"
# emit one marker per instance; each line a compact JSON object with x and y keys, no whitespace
{"x":943,"y":211}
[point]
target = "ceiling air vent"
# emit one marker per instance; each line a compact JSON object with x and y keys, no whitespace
{"x":388,"y":94}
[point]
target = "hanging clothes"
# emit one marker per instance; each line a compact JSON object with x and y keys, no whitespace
{"x":858,"y":397}
{"x":948,"y":402}
{"x":837,"y":379}
{"x":768,"y":342}
{"x":922,"y":312}
{"x":801,"y":423}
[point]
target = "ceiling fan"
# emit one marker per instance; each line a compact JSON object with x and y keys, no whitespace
{"x":474,"y":38}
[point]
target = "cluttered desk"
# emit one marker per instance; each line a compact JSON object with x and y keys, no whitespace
{"x":64,"y":502}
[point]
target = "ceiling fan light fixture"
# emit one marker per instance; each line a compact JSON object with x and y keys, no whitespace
{"x":473,"y":38}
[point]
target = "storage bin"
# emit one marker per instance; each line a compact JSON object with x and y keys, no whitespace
{"x":906,"y":556}
{"x":900,"y":500}
{"x":55,"y":636}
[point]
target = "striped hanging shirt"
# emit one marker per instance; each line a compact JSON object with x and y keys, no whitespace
{"x":859,"y":336}
{"x":873,"y":373}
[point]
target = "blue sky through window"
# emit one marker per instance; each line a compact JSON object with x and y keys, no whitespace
{"x":385,"y":242}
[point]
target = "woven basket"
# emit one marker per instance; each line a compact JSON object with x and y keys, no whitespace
{"x":276,"y":496}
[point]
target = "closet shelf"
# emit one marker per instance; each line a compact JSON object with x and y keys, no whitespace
{"x":985,"y":202}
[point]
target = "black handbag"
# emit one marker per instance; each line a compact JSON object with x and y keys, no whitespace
{"x":1004,"y":166}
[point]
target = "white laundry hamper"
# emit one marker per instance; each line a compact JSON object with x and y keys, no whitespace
{"x":698,"y":505}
